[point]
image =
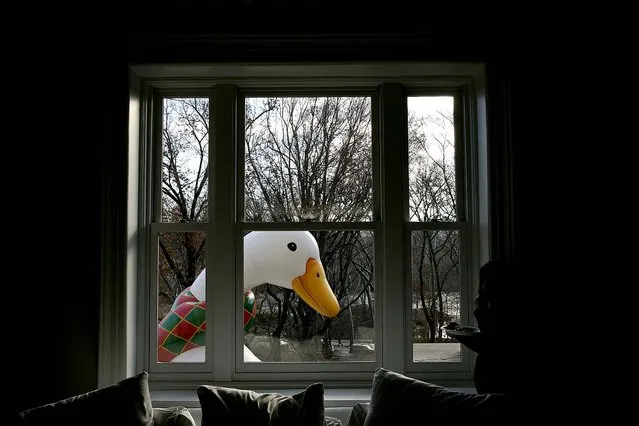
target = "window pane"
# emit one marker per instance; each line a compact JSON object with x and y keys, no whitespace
{"x":314,"y":296}
{"x":435,"y":294}
{"x":181,"y":299}
{"x":431,"y":159}
{"x":308,"y":159}
{"x":185,"y":148}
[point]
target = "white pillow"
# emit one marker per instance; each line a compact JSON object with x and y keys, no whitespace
{"x":173,"y":416}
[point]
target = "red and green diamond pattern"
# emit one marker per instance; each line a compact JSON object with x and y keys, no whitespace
{"x":184,"y":326}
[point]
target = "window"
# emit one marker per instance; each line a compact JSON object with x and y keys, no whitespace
{"x":299,"y":223}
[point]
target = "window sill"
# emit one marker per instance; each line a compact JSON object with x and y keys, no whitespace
{"x":332,"y":397}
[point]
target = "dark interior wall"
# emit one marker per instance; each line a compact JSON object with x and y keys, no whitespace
{"x":63,"y":213}
{"x":54,"y":251}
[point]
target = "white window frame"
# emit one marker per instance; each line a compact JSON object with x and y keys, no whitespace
{"x":125,"y":311}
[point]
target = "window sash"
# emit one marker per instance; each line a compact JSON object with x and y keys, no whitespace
{"x":465,"y":149}
{"x":255,"y":371}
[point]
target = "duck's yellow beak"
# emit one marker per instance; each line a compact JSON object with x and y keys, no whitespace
{"x":314,"y":289}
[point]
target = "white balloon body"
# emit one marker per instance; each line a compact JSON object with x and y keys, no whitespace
{"x":274,"y":257}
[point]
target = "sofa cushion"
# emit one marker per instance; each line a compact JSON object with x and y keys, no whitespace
{"x":332,"y":421}
{"x":341,"y":412}
{"x":230,"y":406}
{"x":395,"y":398}
{"x":173,"y":416}
{"x":128,"y":402}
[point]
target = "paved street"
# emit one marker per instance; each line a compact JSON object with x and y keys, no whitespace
{"x":423,"y":352}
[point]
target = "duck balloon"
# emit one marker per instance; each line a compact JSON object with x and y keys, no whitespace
{"x":289,"y":259}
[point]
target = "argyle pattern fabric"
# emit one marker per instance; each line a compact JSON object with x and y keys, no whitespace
{"x":183,"y":327}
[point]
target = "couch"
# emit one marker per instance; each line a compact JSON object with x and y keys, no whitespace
{"x":395,"y":399}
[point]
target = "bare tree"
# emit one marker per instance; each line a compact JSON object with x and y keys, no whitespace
{"x":310,"y":159}
{"x":432,"y":198}
{"x":306,"y":159}
{"x":185,"y":176}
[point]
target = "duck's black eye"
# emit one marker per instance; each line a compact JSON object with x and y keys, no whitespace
{"x":292,"y":246}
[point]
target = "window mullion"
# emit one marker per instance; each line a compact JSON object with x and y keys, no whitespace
{"x":221,"y":242}
{"x":393,"y":136}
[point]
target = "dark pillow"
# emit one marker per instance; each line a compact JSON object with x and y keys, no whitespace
{"x":222,"y":406}
{"x":395,"y":398}
{"x":126,"y":403}
{"x":358,"y":414}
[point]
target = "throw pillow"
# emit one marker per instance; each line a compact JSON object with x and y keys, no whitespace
{"x":396,"y":398}
{"x":126,"y":403}
{"x":173,"y":416}
{"x":223,"y":406}
{"x":358,"y":414}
